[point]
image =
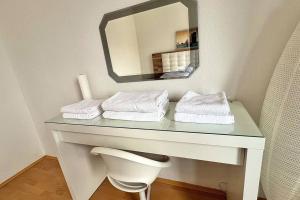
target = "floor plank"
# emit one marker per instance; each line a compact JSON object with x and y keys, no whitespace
{"x":45,"y":181}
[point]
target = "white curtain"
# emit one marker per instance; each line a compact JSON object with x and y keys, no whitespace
{"x":280,"y":124}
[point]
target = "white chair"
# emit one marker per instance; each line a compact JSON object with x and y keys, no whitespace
{"x":132,"y":171}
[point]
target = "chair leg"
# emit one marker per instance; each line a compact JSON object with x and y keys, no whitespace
{"x":148,"y":192}
{"x":142,"y":195}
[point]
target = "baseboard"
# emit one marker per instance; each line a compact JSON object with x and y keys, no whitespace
{"x":21,"y":172}
{"x":50,"y":157}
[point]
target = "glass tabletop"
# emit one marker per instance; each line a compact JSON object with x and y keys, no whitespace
{"x":243,"y":126}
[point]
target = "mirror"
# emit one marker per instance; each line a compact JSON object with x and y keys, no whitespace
{"x":154,"y":40}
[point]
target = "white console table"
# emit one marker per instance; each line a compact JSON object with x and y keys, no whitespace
{"x":238,"y":144}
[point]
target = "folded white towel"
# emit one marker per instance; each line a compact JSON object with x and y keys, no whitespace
{"x":133,"y":116}
{"x":137,"y":116}
{"x":82,"y":115}
{"x":83,"y":107}
{"x":147,"y":101}
{"x":203,"y":104}
{"x":204,"y":119}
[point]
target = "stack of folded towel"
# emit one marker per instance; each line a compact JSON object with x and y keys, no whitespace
{"x":86,"y":109}
{"x":137,"y":106}
{"x":204,"y":108}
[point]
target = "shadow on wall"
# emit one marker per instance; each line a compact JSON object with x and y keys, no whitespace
{"x":207,"y":174}
{"x":265,"y":54}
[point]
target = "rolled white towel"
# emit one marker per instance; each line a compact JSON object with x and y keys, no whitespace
{"x":204,"y":119}
{"x":83,"y":107}
{"x":82,"y":115}
{"x":146,"y":101}
{"x":203,"y":104}
{"x":137,"y":116}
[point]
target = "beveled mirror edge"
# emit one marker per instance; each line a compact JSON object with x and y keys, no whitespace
{"x":193,"y":22}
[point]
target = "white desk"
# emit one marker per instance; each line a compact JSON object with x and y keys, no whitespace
{"x":238,"y":144}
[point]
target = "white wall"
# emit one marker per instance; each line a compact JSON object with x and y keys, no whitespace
{"x":51,"y":42}
{"x":123,"y":46}
{"x":19,"y":143}
{"x":156,"y":31}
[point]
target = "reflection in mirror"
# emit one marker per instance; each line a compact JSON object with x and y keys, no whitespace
{"x":155,"y":43}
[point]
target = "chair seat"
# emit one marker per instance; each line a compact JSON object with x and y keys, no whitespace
{"x":132,"y":171}
{"x":126,"y":186}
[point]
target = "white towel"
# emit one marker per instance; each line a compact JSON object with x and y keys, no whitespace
{"x":137,"y":116}
{"x":203,"y":104}
{"x":133,"y":116}
{"x":83,"y":107}
{"x":147,"y":101}
{"x":82,"y":115}
{"x":204,"y":119}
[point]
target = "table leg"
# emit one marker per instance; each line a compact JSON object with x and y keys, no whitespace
{"x":83,"y":172}
{"x":252,"y":173}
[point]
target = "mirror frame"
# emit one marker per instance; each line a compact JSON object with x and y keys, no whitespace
{"x":148,"y":5}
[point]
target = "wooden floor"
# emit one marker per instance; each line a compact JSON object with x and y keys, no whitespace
{"x":45,"y":181}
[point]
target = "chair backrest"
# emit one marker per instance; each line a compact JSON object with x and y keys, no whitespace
{"x":280,"y":124}
{"x":132,"y":166}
